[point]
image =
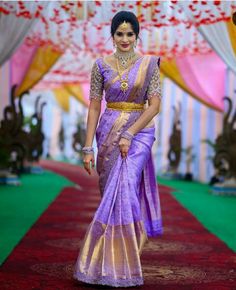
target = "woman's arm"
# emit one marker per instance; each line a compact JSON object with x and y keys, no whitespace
{"x":95,"y":95}
{"x":152,"y":110}
{"x":92,"y":121}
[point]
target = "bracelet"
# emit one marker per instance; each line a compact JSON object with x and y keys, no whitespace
{"x":87,"y":150}
{"x":127,"y":135}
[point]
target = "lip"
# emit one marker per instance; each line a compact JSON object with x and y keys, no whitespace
{"x":124,"y":45}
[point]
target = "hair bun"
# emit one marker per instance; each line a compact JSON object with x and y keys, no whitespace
{"x":128,"y":17}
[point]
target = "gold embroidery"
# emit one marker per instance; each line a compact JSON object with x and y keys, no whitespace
{"x":154,"y":87}
{"x":96,"y":84}
{"x":125,"y":106}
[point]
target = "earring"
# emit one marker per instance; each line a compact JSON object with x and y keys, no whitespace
{"x":114,"y":44}
{"x":135,"y":44}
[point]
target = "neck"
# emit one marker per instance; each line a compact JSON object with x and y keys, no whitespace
{"x":124,"y":53}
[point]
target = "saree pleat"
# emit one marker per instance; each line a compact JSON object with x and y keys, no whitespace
{"x":150,"y":202}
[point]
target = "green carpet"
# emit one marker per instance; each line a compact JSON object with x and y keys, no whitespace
{"x":21,"y":206}
{"x":216,"y":213}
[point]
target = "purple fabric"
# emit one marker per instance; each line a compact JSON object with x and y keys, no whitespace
{"x":104,"y":129}
{"x":150,"y":202}
{"x":107,"y":281}
{"x":130,"y":194}
{"x":114,"y":94}
{"x":130,"y":207}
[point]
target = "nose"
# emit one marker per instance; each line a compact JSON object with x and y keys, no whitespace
{"x":125,"y":38}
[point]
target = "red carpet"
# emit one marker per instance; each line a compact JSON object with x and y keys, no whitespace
{"x":186,"y":257}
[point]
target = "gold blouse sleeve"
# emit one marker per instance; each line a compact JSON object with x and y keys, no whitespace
{"x":154,"y":87}
{"x":96,"y":83}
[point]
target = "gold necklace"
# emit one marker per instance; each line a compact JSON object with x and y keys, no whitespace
{"x":124,"y":84}
{"x":124,"y":57}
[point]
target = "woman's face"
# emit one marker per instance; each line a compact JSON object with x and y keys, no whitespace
{"x":124,"y":37}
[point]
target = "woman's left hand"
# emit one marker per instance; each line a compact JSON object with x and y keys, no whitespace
{"x":124,"y":145}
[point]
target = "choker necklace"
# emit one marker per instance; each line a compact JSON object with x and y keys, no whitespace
{"x":124,"y":58}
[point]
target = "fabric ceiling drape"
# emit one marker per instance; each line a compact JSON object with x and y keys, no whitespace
{"x":232,"y":34}
{"x":62,"y":96}
{"x":43,"y":59}
{"x":206,"y":81}
{"x":76,"y":91}
{"x":14,"y":29}
{"x":20,"y":62}
{"x":219,"y":35}
{"x":64,"y":93}
{"x":197,"y":79}
{"x":171,"y":70}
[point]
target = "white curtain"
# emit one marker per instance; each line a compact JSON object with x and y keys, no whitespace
{"x":14,"y":29}
{"x":216,"y":34}
{"x":218,"y":37}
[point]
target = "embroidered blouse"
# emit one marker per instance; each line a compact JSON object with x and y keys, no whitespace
{"x":97,"y":80}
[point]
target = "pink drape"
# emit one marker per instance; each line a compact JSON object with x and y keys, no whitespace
{"x":205,"y":76}
{"x":20,"y":62}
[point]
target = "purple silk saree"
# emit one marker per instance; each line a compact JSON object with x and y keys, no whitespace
{"x":129,"y":211}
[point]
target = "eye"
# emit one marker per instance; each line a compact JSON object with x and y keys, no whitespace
{"x":119,"y":33}
{"x":130,"y":34}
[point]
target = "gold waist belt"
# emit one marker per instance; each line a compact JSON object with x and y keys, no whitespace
{"x":125,"y":106}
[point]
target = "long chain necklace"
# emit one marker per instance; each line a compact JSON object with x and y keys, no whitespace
{"x":124,"y":84}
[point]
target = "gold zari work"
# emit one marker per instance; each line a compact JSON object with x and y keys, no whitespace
{"x":125,"y":106}
{"x":119,"y":246}
{"x":154,"y":88}
{"x":96,"y":83}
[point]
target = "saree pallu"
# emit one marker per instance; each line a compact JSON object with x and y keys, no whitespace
{"x":129,"y":212}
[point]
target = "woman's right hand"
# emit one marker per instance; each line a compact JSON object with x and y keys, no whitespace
{"x":88,"y":161}
{"x":124,"y":145}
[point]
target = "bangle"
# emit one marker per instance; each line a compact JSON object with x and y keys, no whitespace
{"x":87,"y":150}
{"x":127,"y":135}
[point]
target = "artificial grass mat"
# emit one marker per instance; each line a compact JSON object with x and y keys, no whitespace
{"x":216,"y":213}
{"x":21,"y":206}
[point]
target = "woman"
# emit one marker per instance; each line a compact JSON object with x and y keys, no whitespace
{"x":129,"y":210}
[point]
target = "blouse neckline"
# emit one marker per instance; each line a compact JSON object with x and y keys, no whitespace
{"x":129,"y":68}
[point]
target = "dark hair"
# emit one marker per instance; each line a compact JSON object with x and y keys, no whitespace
{"x":127,"y":16}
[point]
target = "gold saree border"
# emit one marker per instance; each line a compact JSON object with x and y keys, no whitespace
{"x":140,"y":78}
{"x":115,"y":250}
{"x":125,"y":106}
